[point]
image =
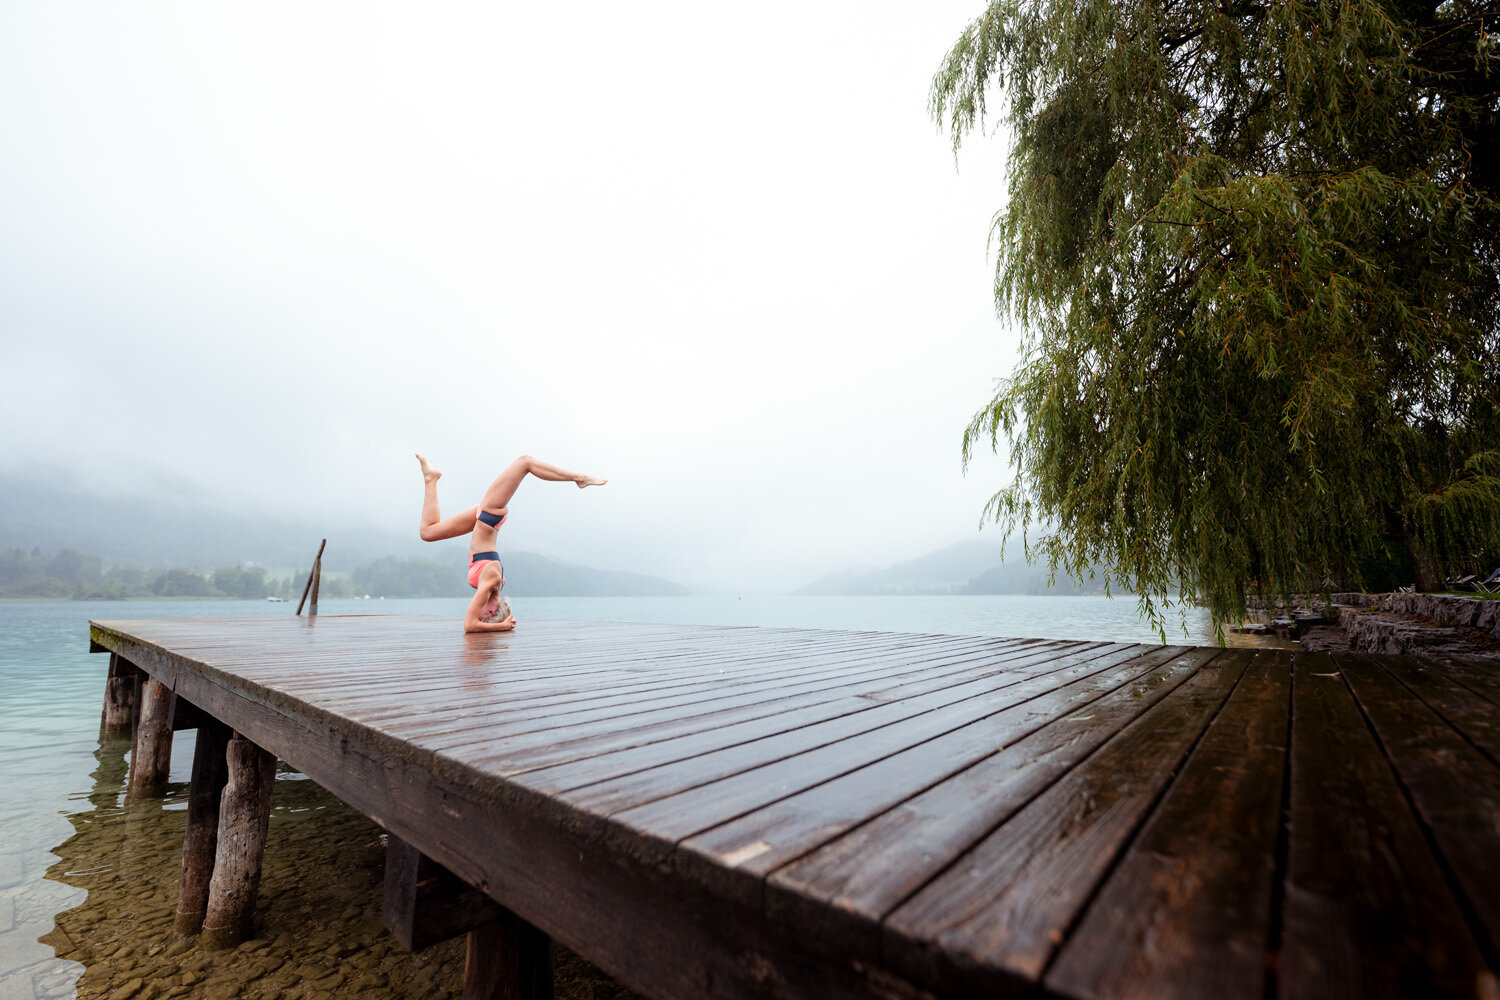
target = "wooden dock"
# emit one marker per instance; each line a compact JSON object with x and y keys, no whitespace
{"x":710,"y":812}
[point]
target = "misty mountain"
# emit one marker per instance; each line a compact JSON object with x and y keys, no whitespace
{"x":52,"y":514}
{"x":530,"y":575}
{"x":945,"y":571}
{"x":971,"y":567}
{"x":168,"y":530}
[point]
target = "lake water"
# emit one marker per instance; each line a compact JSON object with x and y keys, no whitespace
{"x":87,"y":884}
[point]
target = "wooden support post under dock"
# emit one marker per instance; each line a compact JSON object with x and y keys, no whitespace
{"x":508,"y":960}
{"x":425,"y":904}
{"x":201,"y":838}
{"x":122,"y":692}
{"x":151,"y":755}
{"x":244,"y":816}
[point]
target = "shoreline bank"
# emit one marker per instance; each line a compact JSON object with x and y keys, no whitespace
{"x":1400,"y":624}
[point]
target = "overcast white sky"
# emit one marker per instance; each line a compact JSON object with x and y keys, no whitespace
{"x":718,"y":254}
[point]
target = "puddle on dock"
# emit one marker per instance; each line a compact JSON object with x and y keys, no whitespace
{"x":113,"y":888}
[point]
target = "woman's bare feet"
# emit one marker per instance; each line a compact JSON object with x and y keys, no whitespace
{"x":429,"y":474}
{"x":583,"y":481}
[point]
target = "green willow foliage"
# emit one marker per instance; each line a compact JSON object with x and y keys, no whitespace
{"x":1254,"y":249}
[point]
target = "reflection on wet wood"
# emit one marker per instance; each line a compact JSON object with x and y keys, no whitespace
{"x":739,"y":812}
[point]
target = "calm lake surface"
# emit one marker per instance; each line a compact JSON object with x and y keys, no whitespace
{"x":75,"y":919}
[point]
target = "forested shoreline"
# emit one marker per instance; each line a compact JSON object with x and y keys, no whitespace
{"x":82,"y":576}
{"x":70,"y":574}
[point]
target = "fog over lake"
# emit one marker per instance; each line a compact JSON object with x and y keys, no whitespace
{"x":255,"y":257}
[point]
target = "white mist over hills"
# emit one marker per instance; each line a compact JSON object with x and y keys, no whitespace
{"x":53,"y":512}
{"x":971,"y":567}
{"x":255,"y":256}
{"x":179,"y":530}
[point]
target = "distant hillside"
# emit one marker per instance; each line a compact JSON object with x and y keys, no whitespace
{"x":51,"y":516}
{"x":530,"y":575}
{"x":964,"y":568}
{"x":943,"y":571}
{"x":526,"y":575}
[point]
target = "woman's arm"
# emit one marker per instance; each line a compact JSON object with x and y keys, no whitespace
{"x":481,"y":626}
{"x":474,"y":623}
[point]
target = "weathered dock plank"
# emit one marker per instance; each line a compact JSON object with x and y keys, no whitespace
{"x":784,"y":829}
{"x":1454,"y":786}
{"x":848,"y":886}
{"x":992,"y":921}
{"x":712,"y":812}
{"x":1188,"y":911}
{"x":1368,"y":911}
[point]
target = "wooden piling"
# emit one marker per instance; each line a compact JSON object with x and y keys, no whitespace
{"x":244,"y":815}
{"x":199,"y":841}
{"x":121,"y":699}
{"x":151,"y":754}
{"x":508,"y":959}
{"x":314,"y":576}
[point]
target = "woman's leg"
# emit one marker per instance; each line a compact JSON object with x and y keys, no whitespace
{"x":497,"y":497}
{"x":433,"y":528}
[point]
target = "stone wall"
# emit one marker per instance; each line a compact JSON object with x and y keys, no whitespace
{"x":1445,"y":609}
{"x":1405,"y":623}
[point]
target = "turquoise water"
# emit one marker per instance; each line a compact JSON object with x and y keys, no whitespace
{"x":58,"y":780}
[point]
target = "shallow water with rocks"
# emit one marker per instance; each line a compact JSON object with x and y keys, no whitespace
{"x":88,"y":882}
{"x":320,"y":931}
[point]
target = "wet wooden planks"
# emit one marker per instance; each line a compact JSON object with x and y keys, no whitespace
{"x":733,"y":812}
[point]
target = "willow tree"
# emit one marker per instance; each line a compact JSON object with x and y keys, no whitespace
{"x":1253,"y":248}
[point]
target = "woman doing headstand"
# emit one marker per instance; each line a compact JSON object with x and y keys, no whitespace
{"x":486,"y":575}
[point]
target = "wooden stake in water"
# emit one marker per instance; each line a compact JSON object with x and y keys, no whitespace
{"x":314,"y":576}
